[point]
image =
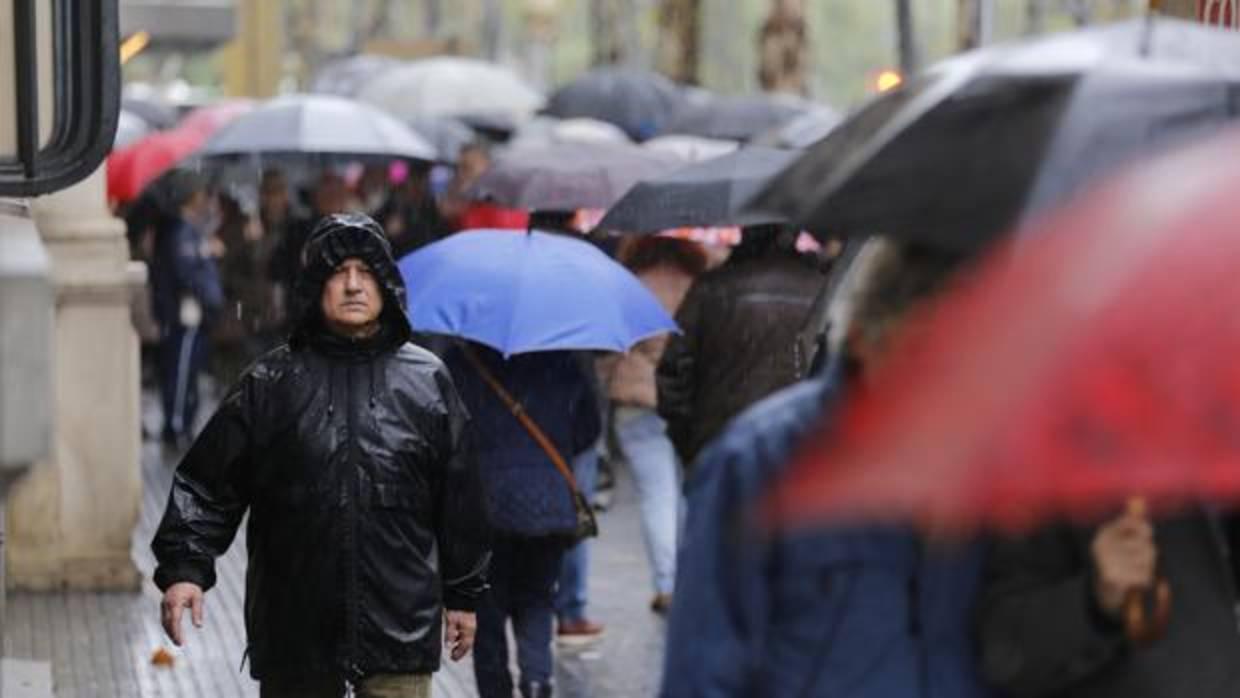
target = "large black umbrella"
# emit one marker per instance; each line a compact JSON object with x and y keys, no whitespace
{"x":639,"y":102}
{"x":568,"y":176}
{"x":736,"y":118}
{"x":704,"y":194}
{"x":981,"y":141}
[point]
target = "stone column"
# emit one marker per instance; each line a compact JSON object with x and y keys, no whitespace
{"x":71,"y":519}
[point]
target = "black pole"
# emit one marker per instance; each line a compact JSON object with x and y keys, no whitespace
{"x":907,"y":37}
{"x":25,"y":61}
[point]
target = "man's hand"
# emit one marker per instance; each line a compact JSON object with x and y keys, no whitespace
{"x":458,"y":633}
{"x":177,"y":598}
{"x":1124,"y":558}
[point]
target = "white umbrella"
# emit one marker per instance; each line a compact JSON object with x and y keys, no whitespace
{"x":449,"y":86}
{"x":691,"y":148}
{"x":318,"y":125}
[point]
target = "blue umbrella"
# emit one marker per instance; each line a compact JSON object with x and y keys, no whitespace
{"x":523,"y":292}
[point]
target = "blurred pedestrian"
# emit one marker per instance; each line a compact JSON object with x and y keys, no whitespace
{"x":347,"y":446}
{"x":668,"y":268}
{"x":862,"y":611}
{"x":737,"y":345}
{"x":250,"y":323}
{"x":1053,"y":611}
{"x":410,"y":214}
{"x":185,"y":298}
{"x":553,"y":416}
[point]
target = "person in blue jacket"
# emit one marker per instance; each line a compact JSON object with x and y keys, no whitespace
{"x":529,"y":503}
{"x":185,"y":296}
{"x":843,"y":612}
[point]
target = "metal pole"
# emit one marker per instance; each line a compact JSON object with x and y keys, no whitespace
{"x":907,"y":37}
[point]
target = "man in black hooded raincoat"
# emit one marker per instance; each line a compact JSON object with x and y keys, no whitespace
{"x":347,"y":448}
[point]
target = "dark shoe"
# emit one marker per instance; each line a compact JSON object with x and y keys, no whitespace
{"x":661,"y":604}
{"x":578,"y":632}
{"x":535,"y":689}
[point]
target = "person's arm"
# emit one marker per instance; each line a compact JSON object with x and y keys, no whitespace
{"x":1042,"y":628}
{"x":462,"y":529}
{"x":196,"y":273}
{"x":675,"y":376}
{"x":723,"y":612}
{"x":205,"y":507}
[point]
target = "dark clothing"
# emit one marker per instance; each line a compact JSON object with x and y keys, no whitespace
{"x":410,"y":224}
{"x":738,"y":344}
{"x":526,"y":495}
{"x":523,"y":577}
{"x":864,"y":612}
{"x":1043,"y":636}
{"x":181,"y":269}
{"x":365,"y":511}
{"x":182,"y":357}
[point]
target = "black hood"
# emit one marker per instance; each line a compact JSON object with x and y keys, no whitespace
{"x":334,"y":239}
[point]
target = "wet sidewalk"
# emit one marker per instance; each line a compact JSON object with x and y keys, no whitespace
{"x":100,"y":644}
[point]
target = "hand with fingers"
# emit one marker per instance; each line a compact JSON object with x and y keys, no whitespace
{"x":458,"y":633}
{"x":1125,"y":558}
{"x":177,"y":598}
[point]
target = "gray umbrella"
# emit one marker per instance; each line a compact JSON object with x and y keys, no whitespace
{"x":802,"y":131}
{"x":708,"y":193}
{"x":318,"y":125}
{"x":736,"y":118}
{"x":451,"y":86}
{"x":638,"y":101}
{"x":568,"y":176}
{"x":344,"y":77}
{"x":129,"y":129}
{"x":447,"y":134}
{"x":982,"y":141}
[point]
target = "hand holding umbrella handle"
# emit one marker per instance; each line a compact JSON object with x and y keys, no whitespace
{"x":1146,"y":611}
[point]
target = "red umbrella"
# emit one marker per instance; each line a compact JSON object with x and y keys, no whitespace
{"x":1090,"y":360}
{"x":131,"y":168}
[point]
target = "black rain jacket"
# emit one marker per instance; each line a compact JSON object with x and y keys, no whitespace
{"x":366,"y":517}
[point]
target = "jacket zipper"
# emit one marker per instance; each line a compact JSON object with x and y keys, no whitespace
{"x":351,"y":533}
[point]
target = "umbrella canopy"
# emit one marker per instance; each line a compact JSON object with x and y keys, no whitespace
{"x":129,"y":128}
{"x":1086,"y":363}
{"x":708,"y":193}
{"x":965,"y":151}
{"x":132,"y":168}
{"x":158,"y":115}
{"x":318,"y":125}
{"x":568,"y":176}
{"x":449,"y":86}
{"x":447,"y":134}
{"x":736,"y":118}
{"x":691,"y":148}
{"x":802,"y":131}
{"x":545,"y":130}
{"x":213,"y":117}
{"x":522,"y":292}
{"x":639,"y":102}
{"x":344,"y":77}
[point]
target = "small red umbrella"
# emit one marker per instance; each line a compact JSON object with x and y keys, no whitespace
{"x":1092,"y":359}
{"x":131,"y":168}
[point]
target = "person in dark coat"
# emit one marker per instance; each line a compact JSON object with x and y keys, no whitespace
{"x":528,"y":500}
{"x":410,"y":214}
{"x":186,"y":297}
{"x":831,"y":612}
{"x":347,"y":447}
{"x":737,"y":344}
{"x":1052,"y":612}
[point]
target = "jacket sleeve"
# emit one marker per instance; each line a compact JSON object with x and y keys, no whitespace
{"x":196,"y":273}
{"x":208,"y":497}
{"x":463,"y":532}
{"x":723,"y":571}
{"x":1040,"y":629}
{"x":675,"y":376}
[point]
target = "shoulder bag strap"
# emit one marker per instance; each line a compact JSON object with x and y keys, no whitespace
{"x":518,"y":411}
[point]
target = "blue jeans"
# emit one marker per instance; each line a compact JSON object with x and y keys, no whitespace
{"x":572,"y":595}
{"x":642,"y":434}
{"x":523,"y":576}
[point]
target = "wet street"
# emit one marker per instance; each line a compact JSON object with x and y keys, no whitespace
{"x":100,"y":644}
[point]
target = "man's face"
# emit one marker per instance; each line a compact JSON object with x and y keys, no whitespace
{"x":352,"y":300}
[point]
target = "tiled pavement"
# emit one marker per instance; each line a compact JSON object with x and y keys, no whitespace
{"x":100,"y":644}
